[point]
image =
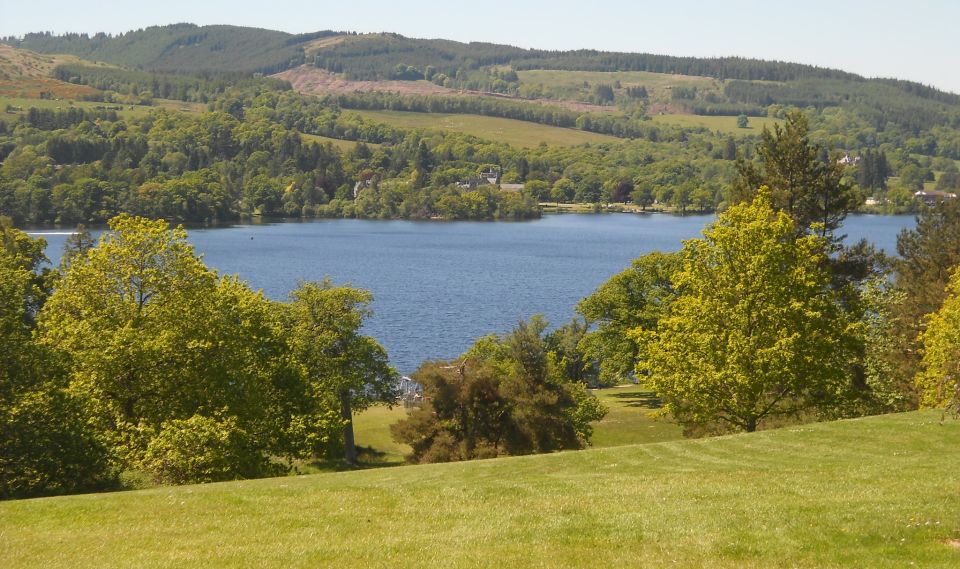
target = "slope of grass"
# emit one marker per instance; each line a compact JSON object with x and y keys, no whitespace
{"x":21,"y":105}
{"x":876,"y":492}
{"x":726,"y":125}
{"x":630,"y":418}
{"x":372,"y":430}
{"x":510,"y":131}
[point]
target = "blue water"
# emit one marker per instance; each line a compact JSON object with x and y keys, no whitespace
{"x":439,"y":286}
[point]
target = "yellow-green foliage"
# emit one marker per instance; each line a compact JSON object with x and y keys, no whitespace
{"x":939,"y":378}
{"x":754,"y":331}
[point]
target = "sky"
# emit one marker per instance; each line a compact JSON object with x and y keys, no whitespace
{"x":916,"y":40}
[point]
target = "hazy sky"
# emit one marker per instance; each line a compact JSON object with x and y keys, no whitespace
{"x":917,"y":40}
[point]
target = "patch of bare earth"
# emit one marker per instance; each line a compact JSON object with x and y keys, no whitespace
{"x":26,"y":74}
{"x":314,"y":81}
{"x":308,"y":79}
{"x":954,"y":543}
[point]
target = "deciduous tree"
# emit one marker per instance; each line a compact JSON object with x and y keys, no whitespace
{"x":754,"y":332}
{"x":324,"y":324}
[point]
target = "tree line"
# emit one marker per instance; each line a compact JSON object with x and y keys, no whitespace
{"x":133,"y":363}
{"x":768,"y":320}
{"x":172,"y":370}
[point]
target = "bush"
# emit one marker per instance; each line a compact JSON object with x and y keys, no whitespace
{"x":46,"y":448}
{"x":204,"y":449}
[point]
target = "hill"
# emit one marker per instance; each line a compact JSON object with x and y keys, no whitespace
{"x":875,"y":492}
{"x":27,"y":74}
{"x":185,"y":48}
{"x":331,"y":62}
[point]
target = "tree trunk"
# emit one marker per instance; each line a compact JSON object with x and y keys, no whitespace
{"x":349,"y":445}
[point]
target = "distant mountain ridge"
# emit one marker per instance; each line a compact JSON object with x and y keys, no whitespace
{"x":741,"y":86}
{"x":190,"y":48}
{"x":185,"y":48}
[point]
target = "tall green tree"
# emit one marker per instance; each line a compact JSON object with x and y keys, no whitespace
{"x":635,"y":298}
{"x":939,"y":378}
{"x":324,"y":324}
{"x":46,"y":444}
{"x":803,"y":184}
{"x":153,"y":336}
{"x":755,"y":332}
{"x":927,"y":254}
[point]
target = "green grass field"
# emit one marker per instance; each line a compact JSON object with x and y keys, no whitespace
{"x":21,"y":106}
{"x":726,"y":125}
{"x":630,"y":418}
{"x":876,"y":492}
{"x":514,"y":132}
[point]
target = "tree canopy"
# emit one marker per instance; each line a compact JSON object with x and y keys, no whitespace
{"x":754,"y":332}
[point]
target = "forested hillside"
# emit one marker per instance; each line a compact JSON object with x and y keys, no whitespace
{"x":180,"y":47}
{"x":84,"y":138}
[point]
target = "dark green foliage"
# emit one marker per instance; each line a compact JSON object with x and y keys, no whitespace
{"x":506,"y":396}
{"x":48,"y":119}
{"x":377,"y":56}
{"x":143,"y":86}
{"x":803,"y":184}
{"x":909,"y":105}
{"x":180,"y":47}
{"x":46,"y":446}
{"x":928,"y":254}
{"x":873,"y":170}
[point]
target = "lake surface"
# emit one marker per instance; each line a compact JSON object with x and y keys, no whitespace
{"x":439,"y":286}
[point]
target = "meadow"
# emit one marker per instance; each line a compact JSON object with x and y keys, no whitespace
{"x":874,"y":492}
{"x":514,"y":132}
{"x":722,"y":124}
{"x":16,"y":106}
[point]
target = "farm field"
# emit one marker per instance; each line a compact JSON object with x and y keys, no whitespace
{"x":510,"y":131}
{"x":726,"y":125}
{"x":20,"y":105}
{"x":874,"y":492}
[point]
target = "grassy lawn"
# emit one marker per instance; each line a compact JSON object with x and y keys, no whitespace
{"x":630,"y":419}
{"x":510,"y":131}
{"x":726,"y":125}
{"x":372,"y":429}
{"x":876,"y":492}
